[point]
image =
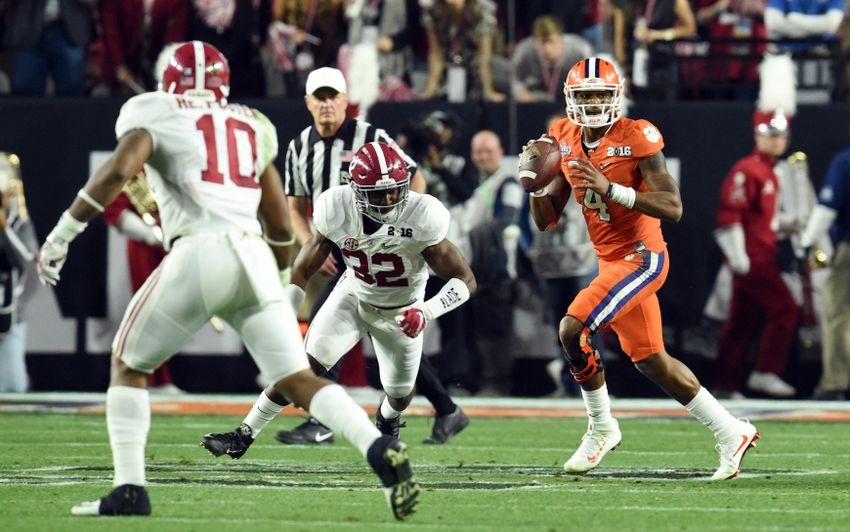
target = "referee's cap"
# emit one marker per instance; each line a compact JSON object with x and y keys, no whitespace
{"x":326,"y":77}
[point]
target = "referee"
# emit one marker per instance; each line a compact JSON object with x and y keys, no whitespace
{"x":316,"y":160}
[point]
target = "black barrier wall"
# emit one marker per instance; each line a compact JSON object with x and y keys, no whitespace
{"x":55,"y":137}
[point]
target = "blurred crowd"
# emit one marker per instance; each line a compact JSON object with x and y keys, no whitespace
{"x":401,"y":50}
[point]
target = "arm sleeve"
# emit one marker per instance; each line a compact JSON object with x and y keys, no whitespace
{"x":813,"y":25}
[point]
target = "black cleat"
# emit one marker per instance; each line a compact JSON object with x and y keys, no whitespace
{"x":389,"y":459}
{"x":233,"y":444}
{"x":388,"y":427}
{"x":126,"y":499}
{"x":311,"y":432}
{"x":445,"y":427}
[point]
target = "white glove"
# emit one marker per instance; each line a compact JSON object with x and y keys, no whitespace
{"x":51,"y":258}
{"x":53,"y":253}
{"x":733,"y":243}
{"x":739,"y":264}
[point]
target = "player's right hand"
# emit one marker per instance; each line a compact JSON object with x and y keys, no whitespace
{"x":412,"y":321}
{"x":51,"y":258}
{"x":329,"y":267}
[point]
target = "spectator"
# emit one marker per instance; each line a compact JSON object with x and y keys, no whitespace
{"x":379,"y":44}
{"x":238,"y":29}
{"x":308,"y":36}
{"x":749,"y":201}
{"x":490,"y":219}
{"x":134,"y":33}
{"x":785,"y":19}
{"x":50,"y":37}
{"x":655,"y":73}
{"x":833,"y":213}
{"x":741,"y":20}
{"x":460,"y":50}
{"x":541,"y":62}
{"x":17,"y":275}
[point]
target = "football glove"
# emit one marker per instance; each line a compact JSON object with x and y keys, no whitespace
{"x":51,"y":258}
{"x":412,"y":321}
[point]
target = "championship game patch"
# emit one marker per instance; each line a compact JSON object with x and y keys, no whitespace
{"x":566,"y":150}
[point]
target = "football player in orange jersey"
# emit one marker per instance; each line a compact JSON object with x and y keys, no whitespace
{"x":618,"y":173}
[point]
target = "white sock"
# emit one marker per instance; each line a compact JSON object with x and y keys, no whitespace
{"x":337,"y":411}
{"x":598,"y":404}
{"x":128,"y":419}
{"x":261,"y":414}
{"x":387,"y":410}
{"x":712,"y":414}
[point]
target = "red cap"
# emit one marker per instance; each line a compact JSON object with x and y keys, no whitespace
{"x":774,"y":123}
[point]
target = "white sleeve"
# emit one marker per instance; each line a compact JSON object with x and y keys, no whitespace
{"x":819,"y":221}
{"x":826,"y":24}
{"x":267,"y":145}
{"x":321,"y":209}
{"x":778,"y":26}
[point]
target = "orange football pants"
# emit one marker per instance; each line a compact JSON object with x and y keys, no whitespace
{"x":623,"y":296}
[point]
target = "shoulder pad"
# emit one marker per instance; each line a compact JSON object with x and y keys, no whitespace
{"x":143,"y":110}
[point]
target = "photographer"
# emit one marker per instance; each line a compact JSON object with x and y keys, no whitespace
{"x":430,"y":141}
{"x":18,"y":242}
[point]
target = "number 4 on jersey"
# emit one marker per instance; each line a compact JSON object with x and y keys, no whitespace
{"x":239,"y":161}
{"x":594,"y":201}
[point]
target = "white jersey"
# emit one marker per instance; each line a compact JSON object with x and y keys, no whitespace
{"x":207,"y":161}
{"x":386,"y":268}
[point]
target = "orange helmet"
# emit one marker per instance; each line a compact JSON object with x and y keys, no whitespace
{"x":594,"y":74}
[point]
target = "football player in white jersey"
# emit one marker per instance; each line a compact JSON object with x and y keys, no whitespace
{"x":209,"y":165}
{"x":388,"y":236}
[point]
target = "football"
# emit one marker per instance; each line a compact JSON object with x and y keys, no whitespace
{"x":539,"y":163}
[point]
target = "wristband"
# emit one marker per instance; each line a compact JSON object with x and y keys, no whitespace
{"x":279,"y":243}
{"x":623,"y":195}
{"x":453,"y":294}
{"x":296,"y":295}
{"x":85,"y":196}
{"x":538,"y":193}
{"x":67,"y":228}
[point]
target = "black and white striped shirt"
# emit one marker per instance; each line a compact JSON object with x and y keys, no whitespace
{"x":313,"y":164}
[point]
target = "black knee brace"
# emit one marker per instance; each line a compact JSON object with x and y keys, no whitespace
{"x":587,"y":362}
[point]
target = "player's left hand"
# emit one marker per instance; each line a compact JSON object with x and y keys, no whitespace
{"x":51,"y":258}
{"x":588,"y":176}
{"x":412,"y":321}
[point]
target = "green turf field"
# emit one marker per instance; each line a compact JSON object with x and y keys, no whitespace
{"x":500,"y":474}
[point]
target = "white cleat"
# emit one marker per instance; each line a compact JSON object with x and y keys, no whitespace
{"x":598,"y":440}
{"x":770,"y":384}
{"x":732,"y":449}
{"x":86,"y":508}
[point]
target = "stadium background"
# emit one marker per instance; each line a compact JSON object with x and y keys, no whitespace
{"x":56,"y":139}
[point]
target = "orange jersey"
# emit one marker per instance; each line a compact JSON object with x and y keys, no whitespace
{"x":614,"y":229}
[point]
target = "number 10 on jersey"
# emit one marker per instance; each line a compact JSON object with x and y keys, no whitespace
{"x":240,"y":155}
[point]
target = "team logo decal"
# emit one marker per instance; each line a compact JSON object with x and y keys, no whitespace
{"x":350,"y":244}
{"x":651,"y":134}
